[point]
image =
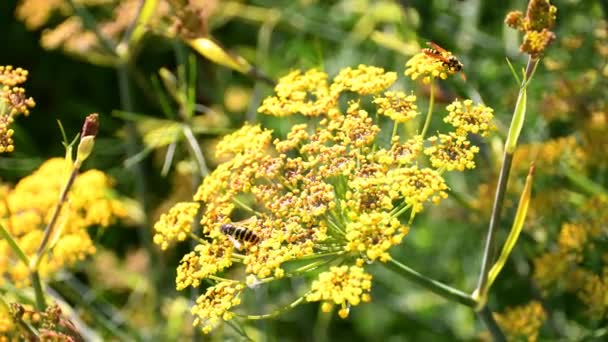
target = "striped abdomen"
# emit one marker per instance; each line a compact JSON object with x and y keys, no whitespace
{"x":239,"y":233}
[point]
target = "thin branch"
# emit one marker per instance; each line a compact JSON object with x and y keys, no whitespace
{"x":434,"y":286}
{"x":501,"y":189}
{"x":485,"y":315}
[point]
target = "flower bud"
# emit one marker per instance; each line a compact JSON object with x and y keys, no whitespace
{"x":87,"y":138}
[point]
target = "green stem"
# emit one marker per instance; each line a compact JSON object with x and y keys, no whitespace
{"x":488,"y":253}
{"x":14,"y":246}
{"x":486,"y":316}
{"x":434,"y":286}
{"x":277,"y":312}
{"x":395,"y":129}
{"x":196,"y":151}
{"x":39,"y":293}
{"x":246,"y":207}
{"x":320,"y":332}
{"x":48,"y":232}
{"x":501,"y":189}
{"x":133,"y":147}
{"x":429,"y":114}
{"x":50,"y":227}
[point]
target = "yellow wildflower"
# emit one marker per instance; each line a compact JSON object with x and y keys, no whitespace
{"x":344,"y":286}
{"x":28,"y":207}
{"x":207,"y":259}
{"x":332,"y":188}
{"x":248,"y":139}
{"x":373,"y":234}
{"x":426,"y":66}
{"x":397,"y":105}
{"x":176,"y":224}
{"x":13,"y":102}
{"x":467,"y":118}
{"x":550,"y":155}
{"x":400,"y":153}
{"x":418,"y":186}
{"x":522,"y":322}
{"x":592,"y":290}
{"x":215,"y":305}
{"x":572,"y":238}
{"x":453,"y":152}
{"x":307,"y":94}
{"x":364,"y":80}
{"x":550,"y":267}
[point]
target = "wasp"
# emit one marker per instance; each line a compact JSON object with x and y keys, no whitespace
{"x":237,"y":233}
{"x":449,"y":61}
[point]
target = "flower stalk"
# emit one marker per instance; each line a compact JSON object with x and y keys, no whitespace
{"x":85,"y":147}
{"x":503,"y":178}
{"x":429,"y":114}
{"x":432,"y":285}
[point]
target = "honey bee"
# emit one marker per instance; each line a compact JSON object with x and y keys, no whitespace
{"x":449,"y":61}
{"x":237,"y":233}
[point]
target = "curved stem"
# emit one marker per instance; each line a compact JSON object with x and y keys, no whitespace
{"x":14,"y":245}
{"x":196,"y":150}
{"x":429,"y":114}
{"x":434,"y":286}
{"x":277,"y":312}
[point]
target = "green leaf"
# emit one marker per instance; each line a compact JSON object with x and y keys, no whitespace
{"x":516,"y":228}
{"x":517,"y":122}
{"x":146,"y":12}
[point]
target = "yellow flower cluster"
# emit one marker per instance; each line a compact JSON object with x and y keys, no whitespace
{"x":71,"y":34}
{"x":451,"y":152}
{"x":550,"y":155}
{"x":426,"y":66}
{"x":467,"y":118}
{"x":432,"y":63}
{"x":592,"y":290}
{"x":215,"y":304}
{"x":536,"y":26}
{"x":13,"y":102}
{"x":522,"y":322}
{"x":26,"y":209}
{"x":345,"y":286}
{"x":335,"y":192}
{"x":397,"y":105}
{"x":568,"y":261}
{"x":175,"y":225}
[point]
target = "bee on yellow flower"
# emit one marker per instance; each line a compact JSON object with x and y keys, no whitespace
{"x":433,"y":62}
{"x":319,"y":202}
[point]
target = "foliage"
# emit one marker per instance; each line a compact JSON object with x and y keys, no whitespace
{"x":259,"y":170}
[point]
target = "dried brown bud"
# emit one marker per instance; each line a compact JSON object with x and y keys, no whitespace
{"x":536,"y":25}
{"x":541,"y":15}
{"x":87,"y":138}
{"x":91,"y":126}
{"x":514,"y":19}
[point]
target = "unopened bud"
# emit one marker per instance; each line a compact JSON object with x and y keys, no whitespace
{"x":91,"y":125}
{"x":87,"y":138}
